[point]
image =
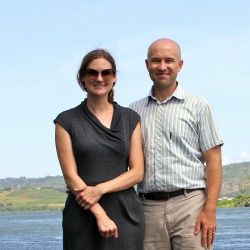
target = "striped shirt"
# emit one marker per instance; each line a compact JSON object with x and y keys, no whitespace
{"x":175,"y":133}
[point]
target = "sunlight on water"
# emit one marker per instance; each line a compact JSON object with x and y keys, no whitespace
{"x":42,"y":230}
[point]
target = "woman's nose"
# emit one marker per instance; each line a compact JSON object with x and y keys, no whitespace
{"x":99,"y":77}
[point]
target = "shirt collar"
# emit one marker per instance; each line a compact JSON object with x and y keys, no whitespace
{"x":179,"y":93}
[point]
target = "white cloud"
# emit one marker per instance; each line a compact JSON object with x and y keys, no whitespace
{"x":242,"y":157}
{"x":226,"y":159}
{"x":245,"y":156}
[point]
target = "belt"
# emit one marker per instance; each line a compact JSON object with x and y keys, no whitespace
{"x":163,"y":196}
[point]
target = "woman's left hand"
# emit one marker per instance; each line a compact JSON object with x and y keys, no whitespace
{"x":88,"y":196}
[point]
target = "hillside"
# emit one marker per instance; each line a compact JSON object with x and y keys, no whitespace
{"x":236,"y":180}
{"x":55,"y":182}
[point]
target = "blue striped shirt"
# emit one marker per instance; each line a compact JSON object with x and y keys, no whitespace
{"x":175,"y":133}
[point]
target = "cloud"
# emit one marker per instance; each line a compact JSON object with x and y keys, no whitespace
{"x":242,"y":157}
{"x":245,"y":156}
{"x":226,"y":159}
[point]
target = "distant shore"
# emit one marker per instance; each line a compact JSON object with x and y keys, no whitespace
{"x":41,"y":199}
{"x":242,"y":200}
{"x":32,"y":199}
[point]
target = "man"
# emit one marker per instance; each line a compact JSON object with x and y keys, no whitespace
{"x":182,"y":158}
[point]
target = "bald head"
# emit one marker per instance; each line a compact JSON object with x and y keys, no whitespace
{"x":163,"y":43}
{"x":163,"y":64}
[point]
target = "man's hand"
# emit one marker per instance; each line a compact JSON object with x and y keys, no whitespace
{"x":206,"y":224}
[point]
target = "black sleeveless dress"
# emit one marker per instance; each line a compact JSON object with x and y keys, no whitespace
{"x":101,"y":154}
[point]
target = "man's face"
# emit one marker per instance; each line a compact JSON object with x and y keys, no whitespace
{"x":163,"y":64}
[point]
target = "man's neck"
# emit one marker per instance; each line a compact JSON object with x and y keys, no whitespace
{"x":162,"y":94}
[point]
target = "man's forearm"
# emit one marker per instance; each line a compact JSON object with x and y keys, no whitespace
{"x":214,"y":177}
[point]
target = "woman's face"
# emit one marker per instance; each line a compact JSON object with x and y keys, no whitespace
{"x":99,"y":78}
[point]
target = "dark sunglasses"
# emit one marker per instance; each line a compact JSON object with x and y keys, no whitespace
{"x":106,"y":73}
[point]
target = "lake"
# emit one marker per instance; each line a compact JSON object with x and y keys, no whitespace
{"x":42,"y":230}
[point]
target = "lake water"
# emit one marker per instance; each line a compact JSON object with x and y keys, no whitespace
{"x":42,"y":230}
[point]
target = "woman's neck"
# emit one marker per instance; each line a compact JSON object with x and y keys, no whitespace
{"x":99,"y":105}
{"x":102,"y":109}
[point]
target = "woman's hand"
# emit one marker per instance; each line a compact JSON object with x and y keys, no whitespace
{"x":88,"y":196}
{"x":107,"y":227}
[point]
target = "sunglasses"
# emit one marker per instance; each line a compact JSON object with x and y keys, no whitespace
{"x":93,"y":74}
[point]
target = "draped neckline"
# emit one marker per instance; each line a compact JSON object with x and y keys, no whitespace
{"x":115,"y":117}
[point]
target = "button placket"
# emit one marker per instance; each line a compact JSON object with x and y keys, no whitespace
{"x":158,"y":144}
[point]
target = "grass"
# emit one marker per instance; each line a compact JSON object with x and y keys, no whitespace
{"x":52,"y":199}
{"x":32,"y":199}
{"x":241,"y":200}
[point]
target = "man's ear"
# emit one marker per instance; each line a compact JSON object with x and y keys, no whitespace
{"x":180,"y":65}
{"x":146,"y":62}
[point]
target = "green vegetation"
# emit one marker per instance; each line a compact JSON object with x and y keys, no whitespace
{"x":48,"y":193}
{"x":242,"y":200}
{"x":31,"y":199}
{"x":236,"y":179}
{"x":56,"y":182}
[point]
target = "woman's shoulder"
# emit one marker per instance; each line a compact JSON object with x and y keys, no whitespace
{"x":70,"y":112}
{"x":68,"y":117}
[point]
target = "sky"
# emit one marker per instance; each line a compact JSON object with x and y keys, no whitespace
{"x":43,"y":41}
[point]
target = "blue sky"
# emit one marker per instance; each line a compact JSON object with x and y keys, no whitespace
{"x":43,"y":41}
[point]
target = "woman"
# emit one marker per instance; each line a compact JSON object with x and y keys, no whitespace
{"x":100,"y":152}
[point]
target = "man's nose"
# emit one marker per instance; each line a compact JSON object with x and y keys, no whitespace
{"x":162,"y":65}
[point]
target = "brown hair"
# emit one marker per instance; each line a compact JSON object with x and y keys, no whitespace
{"x":87,"y":59}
